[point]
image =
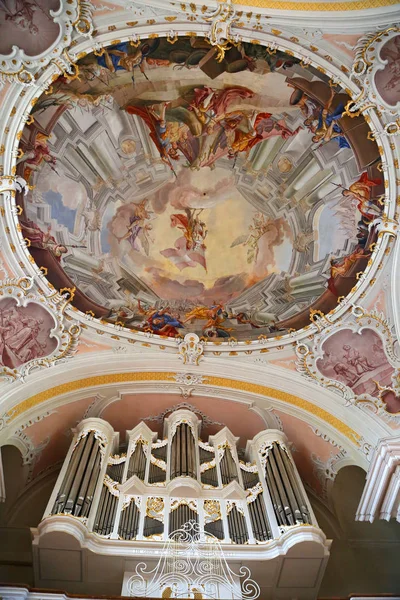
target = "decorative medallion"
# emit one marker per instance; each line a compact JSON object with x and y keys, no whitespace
{"x":32,"y":330}
{"x":357,"y":360}
{"x":376,"y":69}
{"x":36,"y":32}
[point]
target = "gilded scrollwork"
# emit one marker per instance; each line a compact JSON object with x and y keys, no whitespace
{"x":161,"y":464}
{"x":111,"y":485}
{"x":253,"y":492}
{"x":155,"y":508}
{"x":177,"y":502}
{"x":221,"y":21}
{"x":207,"y":466}
{"x":212,"y":511}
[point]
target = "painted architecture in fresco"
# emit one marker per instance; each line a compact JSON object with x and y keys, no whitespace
{"x":180,"y":194}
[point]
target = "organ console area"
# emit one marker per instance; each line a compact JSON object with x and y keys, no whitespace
{"x":156,"y":485}
{"x":118,"y":502}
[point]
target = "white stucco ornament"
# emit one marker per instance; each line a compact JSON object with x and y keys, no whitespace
{"x":191,"y":349}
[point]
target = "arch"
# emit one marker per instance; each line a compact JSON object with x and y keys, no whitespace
{"x":364,"y":557}
{"x":14,"y":475}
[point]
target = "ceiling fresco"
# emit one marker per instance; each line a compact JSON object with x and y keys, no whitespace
{"x":177,"y":193}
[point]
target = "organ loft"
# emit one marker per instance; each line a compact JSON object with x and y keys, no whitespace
{"x":127,"y":498}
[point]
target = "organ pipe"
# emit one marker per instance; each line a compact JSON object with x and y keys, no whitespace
{"x":137,"y":462}
{"x":228,"y":467}
{"x":152,"y":527}
{"x":105,"y":516}
{"x":249,"y":479}
{"x":77,"y":489}
{"x":237,"y":526}
{"x":215,"y":528}
{"x":115,"y":471}
{"x":210,"y":477}
{"x":259,"y":519}
{"x":181,"y":515}
{"x":304,"y":514}
{"x":287,"y":498}
{"x":183,"y":453}
{"x":129,"y":522}
{"x":156,"y":475}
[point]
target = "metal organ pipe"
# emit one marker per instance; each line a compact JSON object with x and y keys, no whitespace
{"x":181,"y":515}
{"x":129,"y":521}
{"x":77,"y":489}
{"x":286,"y":494}
{"x":228,"y":467}
{"x":259,"y":519}
{"x":237,"y":526}
{"x":304,"y":515}
{"x":183,"y":453}
{"x":276,"y":500}
{"x":68,"y":478}
{"x":209,"y":476}
{"x":284,"y":500}
{"x":137,"y":462}
{"x":95,"y":471}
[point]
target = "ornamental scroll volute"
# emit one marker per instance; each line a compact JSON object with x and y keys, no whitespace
{"x":37,"y":33}
{"x":220,"y":31}
{"x":32,"y":329}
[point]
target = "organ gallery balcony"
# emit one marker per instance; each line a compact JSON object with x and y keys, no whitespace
{"x":117,"y":503}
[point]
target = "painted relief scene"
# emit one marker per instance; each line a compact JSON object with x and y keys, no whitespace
{"x":387,"y":79}
{"x":178,"y":193}
{"x":24,"y":333}
{"x":359,"y":361}
{"x":20,"y":22}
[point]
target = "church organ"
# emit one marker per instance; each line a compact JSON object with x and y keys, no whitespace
{"x":157,"y":485}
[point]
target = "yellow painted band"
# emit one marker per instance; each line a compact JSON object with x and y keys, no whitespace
{"x":317,"y":6}
{"x":243,"y":386}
